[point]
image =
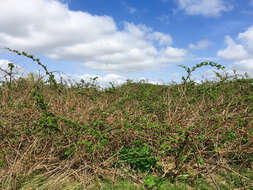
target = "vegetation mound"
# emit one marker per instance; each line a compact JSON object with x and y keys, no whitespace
{"x":137,"y":135}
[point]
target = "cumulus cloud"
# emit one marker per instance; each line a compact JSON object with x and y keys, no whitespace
{"x":240,"y":53}
{"x":233,"y":51}
{"x":211,"y":8}
{"x":17,"y":71}
{"x":202,"y":44}
{"x":163,"y":39}
{"x":247,"y":38}
{"x":49,"y":28}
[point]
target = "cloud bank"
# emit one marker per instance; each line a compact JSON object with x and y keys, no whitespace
{"x":49,"y":28}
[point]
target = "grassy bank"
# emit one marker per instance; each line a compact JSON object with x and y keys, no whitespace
{"x":134,"y":136}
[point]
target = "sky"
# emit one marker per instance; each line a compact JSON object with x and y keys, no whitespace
{"x":117,"y":40}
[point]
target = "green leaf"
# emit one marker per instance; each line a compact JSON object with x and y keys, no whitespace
{"x":69,"y":151}
{"x":150,"y":181}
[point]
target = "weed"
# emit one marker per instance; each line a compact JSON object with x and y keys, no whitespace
{"x":136,"y":136}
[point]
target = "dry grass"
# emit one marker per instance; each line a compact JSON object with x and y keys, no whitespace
{"x":80,"y":135}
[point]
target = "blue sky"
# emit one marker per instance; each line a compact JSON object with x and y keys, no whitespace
{"x":128,"y":39}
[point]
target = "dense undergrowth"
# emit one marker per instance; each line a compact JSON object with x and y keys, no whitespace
{"x":133,"y":136}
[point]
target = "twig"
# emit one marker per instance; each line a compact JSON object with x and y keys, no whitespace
{"x":229,"y":169}
{"x":209,"y":174}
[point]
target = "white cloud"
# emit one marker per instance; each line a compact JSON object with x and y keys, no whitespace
{"x":17,"y":71}
{"x":49,"y":28}
{"x":209,"y":8}
{"x":202,"y":44}
{"x":247,"y":38}
{"x":245,"y":64}
{"x":102,"y":80}
{"x":4,"y":64}
{"x":105,"y":80}
{"x":241,"y":53}
{"x":170,"y":54}
{"x":233,"y":51}
{"x":163,"y":39}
